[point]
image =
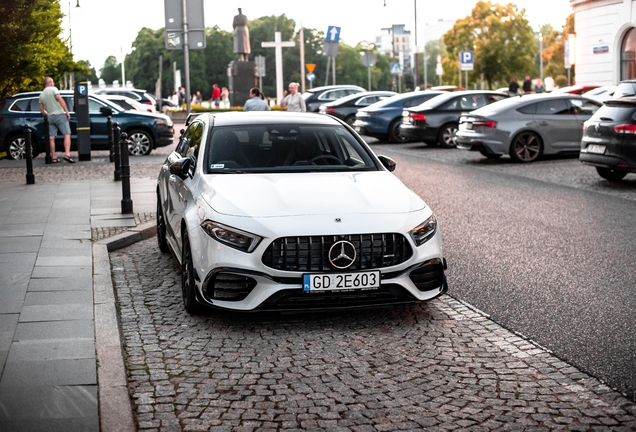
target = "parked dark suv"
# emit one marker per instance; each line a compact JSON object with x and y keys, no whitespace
{"x":146,"y":130}
{"x":319,"y":95}
{"x":625,"y":88}
{"x":609,"y":139}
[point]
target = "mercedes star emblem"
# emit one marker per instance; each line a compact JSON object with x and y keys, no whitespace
{"x":342,"y":254}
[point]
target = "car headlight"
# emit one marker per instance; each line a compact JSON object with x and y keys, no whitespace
{"x":161,"y":121}
{"x":232,"y":237}
{"x":424,"y":231}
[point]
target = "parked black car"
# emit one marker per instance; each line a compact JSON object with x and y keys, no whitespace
{"x":382,"y":119}
{"x":609,"y":139}
{"x":436,"y":121}
{"x":625,"y":89}
{"x":319,"y":95}
{"x":146,"y":130}
{"x":346,"y":108}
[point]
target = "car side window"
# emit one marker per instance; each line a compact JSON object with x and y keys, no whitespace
{"x":472,"y":102}
{"x":23,"y":105}
{"x":366,"y":101}
{"x":494,"y":98}
{"x":415,"y":101}
{"x":184,"y":142}
{"x":452,"y":105}
{"x":553,"y":107}
{"x":583,"y":106}
{"x":528,"y":109}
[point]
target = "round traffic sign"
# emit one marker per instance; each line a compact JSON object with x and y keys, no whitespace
{"x":368,"y":59}
{"x":311,"y":76}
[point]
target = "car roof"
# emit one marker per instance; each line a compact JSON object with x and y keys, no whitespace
{"x":361,"y":95}
{"x":233,"y":118}
{"x":405,"y":96}
{"x":109,"y":89}
{"x":330,"y":87}
{"x":516,"y":101}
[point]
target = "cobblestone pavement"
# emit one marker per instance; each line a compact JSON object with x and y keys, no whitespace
{"x":440,"y":365}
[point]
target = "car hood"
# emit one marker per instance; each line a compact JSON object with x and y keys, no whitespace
{"x":311,"y":194}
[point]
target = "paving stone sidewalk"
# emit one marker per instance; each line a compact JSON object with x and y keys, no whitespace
{"x":435,"y":366}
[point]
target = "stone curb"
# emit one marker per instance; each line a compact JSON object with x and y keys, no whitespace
{"x":115,"y":407}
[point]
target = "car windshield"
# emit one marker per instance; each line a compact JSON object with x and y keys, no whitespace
{"x":285,"y":148}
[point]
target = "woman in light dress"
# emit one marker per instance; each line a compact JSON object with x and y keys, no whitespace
{"x":225,"y":98}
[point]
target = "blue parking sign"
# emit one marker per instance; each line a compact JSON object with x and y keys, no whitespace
{"x":466,"y":60}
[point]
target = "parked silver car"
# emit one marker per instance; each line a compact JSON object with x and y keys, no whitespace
{"x":527,"y":127}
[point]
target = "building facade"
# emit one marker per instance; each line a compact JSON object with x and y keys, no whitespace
{"x":605,"y":41}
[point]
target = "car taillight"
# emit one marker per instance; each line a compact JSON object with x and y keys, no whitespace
{"x":418,"y":117}
{"x":148,"y":103}
{"x":485,"y":123}
{"x":330,"y":110}
{"x":625,"y":129}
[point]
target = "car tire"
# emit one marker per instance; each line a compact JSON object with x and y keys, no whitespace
{"x":188,"y":288}
{"x":16,"y":147}
{"x":141,"y":143}
{"x":610,"y":174}
{"x":394,"y":132}
{"x":162,"y":242}
{"x":446,"y":136}
{"x":526,"y":147}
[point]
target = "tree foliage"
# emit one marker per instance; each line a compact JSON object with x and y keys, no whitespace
{"x":553,"y":53}
{"x":502,"y":41}
{"x":30,"y":45}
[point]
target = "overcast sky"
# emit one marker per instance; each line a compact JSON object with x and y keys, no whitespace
{"x":103,"y":28}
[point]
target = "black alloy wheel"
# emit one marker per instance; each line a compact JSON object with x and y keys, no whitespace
{"x":526,"y":147}
{"x":611,"y":174}
{"x":161,"y":227}
{"x":395,"y":136}
{"x":187,"y":277}
{"x":446,"y":137}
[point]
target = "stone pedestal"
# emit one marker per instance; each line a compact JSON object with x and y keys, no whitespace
{"x":241,"y":78}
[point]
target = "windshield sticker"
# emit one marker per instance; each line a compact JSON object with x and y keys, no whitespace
{"x":217,"y":166}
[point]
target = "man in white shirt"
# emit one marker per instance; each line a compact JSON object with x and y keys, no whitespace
{"x":548,"y":83}
{"x":294,"y":101}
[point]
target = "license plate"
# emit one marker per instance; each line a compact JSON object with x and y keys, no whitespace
{"x":341,"y":281}
{"x":596,"y":149}
{"x":468,"y":126}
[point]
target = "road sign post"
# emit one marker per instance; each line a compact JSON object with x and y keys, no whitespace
{"x":330,"y":49}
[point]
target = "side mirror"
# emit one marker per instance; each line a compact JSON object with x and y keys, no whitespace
{"x":387,"y":162}
{"x":106,"y":111}
{"x":181,"y":168}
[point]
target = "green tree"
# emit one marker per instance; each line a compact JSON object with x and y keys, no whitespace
{"x":30,"y":45}
{"x":142,"y":64}
{"x":111,"y":70}
{"x":501,"y":38}
{"x":553,"y":53}
{"x":86,"y":72}
{"x":433,"y":49}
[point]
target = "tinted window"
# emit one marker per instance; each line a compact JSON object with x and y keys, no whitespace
{"x":334,"y":94}
{"x":553,"y":107}
{"x":25,"y":105}
{"x":528,"y":109}
{"x":417,"y":101}
{"x":494,"y":98}
{"x":368,"y":100}
{"x":618,"y":113}
{"x":583,"y":106}
{"x":625,"y":89}
{"x":285,"y":148}
{"x":472,"y":102}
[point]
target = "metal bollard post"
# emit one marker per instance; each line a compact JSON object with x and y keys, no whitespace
{"x":48,"y":159}
{"x":111,"y":143}
{"x":116,"y":133}
{"x":126,"y":202}
{"x":30,"y":178}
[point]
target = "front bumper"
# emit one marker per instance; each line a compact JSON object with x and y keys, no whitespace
{"x":230,"y":279}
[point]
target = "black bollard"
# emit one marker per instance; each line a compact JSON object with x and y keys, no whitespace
{"x":116,"y":133}
{"x":111,"y":142}
{"x":48,"y":158}
{"x":30,"y":178}
{"x":126,"y":202}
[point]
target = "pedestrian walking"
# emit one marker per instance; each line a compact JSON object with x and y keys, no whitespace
{"x":549,"y":83}
{"x":255,"y":102}
{"x":216,"y":95}
{"x":225,"y":98}
{"x":513,"y":87}
{"x":53,"y":107}
{"x":294,"y":101}
{"x":527,"y":85}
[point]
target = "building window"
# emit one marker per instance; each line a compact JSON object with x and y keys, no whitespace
{"x":628,"y":56}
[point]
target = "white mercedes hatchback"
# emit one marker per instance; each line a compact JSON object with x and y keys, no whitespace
{"x":277,"y":211}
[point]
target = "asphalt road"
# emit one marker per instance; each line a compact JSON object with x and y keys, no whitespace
{"x":546,"y":249}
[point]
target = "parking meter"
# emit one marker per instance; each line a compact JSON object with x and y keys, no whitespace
{"x":83,"y":121}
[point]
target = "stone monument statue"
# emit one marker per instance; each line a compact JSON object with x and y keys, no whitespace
{"x":241,"y":36}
